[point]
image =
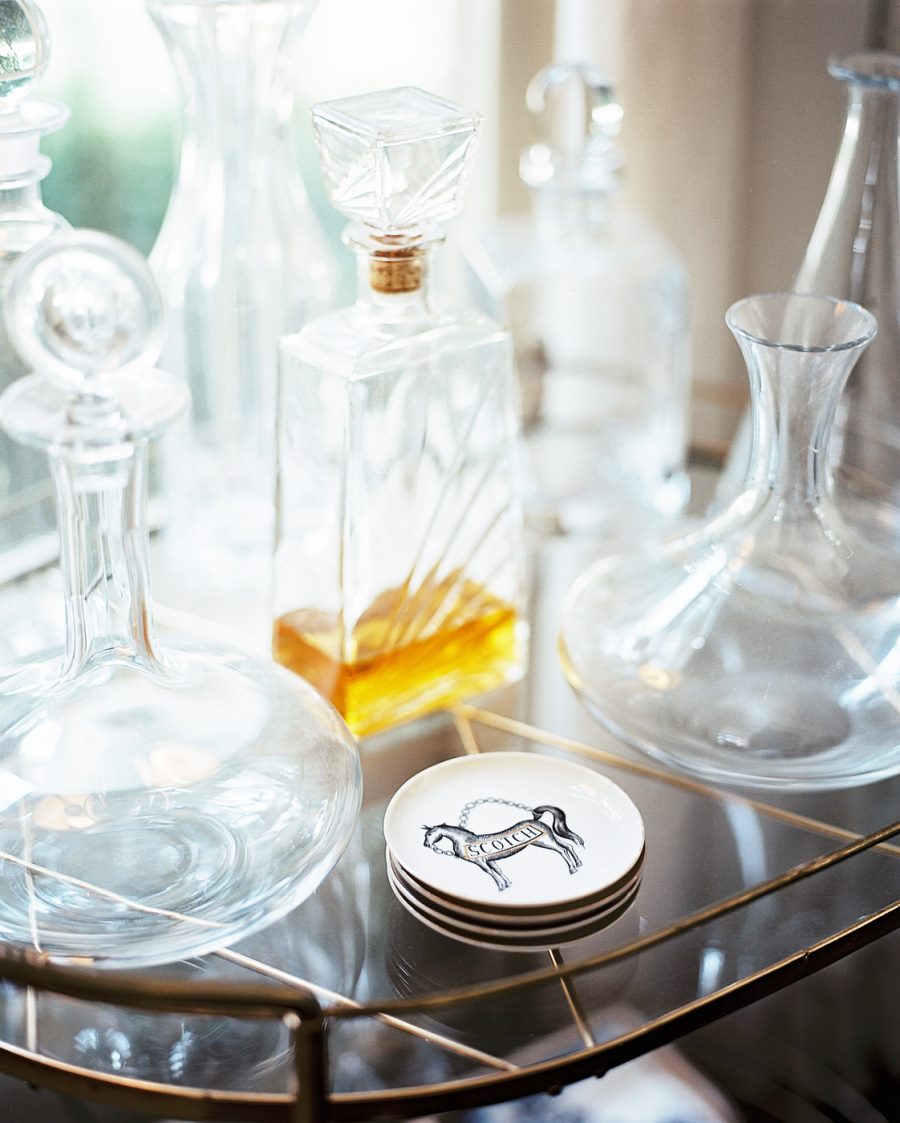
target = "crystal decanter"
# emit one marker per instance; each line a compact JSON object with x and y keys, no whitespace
{"x":854,"y":253}
{"x":241,"y":261}
{"x":399,"y":558}
{"x":762,"y":647}
{"x":597,"y":303}
{"x":159,"y":799}
{"x":27,"y":533}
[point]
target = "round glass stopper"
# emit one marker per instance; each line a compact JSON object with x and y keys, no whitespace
{"x":84,"y":306}
{"x":24,"y":48}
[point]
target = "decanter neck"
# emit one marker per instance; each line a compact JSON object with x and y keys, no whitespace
{"x":793,"y":411}
{"x":20,"y":197}
{"x":572,"y":213}
{"x":860,"y":217}
{"x":24,"y":220}
{"x":393,"y":276}
{"x":104,"y":545}
{"x":799,"y":352}
{"x":236,"y":93}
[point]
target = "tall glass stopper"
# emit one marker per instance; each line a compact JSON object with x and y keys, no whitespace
{"x":160,"y":799}
{"x":854,"y":252}
{"x":576,"y":115}
{"x":26,"y":516}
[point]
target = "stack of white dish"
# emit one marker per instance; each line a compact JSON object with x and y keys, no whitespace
{"x":514,"y":850}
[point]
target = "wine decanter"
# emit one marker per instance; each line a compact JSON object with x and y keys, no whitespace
{"x":158,"y":799}
{"x":399,"y":561}
{"x":596,"y":301}
{"x":764,"y":646}
{"x":241,"y":260}
{"x":854,"y":253}
{"x":27,"y":529}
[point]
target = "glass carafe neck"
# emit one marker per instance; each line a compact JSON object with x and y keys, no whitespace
{"x":237,"y":95}
{"x":393,"y":277}
{"x":799,"y":352}
{"x":101,"y":502}
{"x":859,"y":223}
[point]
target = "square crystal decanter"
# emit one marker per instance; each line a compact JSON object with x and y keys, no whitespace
{"x":399,"y":556}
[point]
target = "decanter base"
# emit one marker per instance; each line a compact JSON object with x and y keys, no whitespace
{"x":155,"y":817}
{"x":795,"y":736}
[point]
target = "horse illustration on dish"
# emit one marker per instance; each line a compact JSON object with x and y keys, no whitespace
{"x":486,"y":850}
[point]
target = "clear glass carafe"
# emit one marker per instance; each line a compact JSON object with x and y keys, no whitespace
{"x":399,"y":561}
{"x":27,"y":530}
{"x":764,"y":646}
{"x":854,"y":253}
{"x":241,"y":260}
{"x":159,"y":799}
{"x":597,"y":303}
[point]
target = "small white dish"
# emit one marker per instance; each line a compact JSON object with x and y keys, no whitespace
{"x":520,"y":919}
{"x":499,"y":928}
{"x":515,"y":832}
{"x":502,"y":940}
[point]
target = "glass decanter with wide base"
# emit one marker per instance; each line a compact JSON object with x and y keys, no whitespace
{"x":854,"y":253}
{"x":398,"y":560}
{"x":158,"y":800}
{"x":764,"y":646}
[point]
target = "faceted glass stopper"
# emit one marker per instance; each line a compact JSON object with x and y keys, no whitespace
{"x":83,"y":304}
{"x":397,"y":159}
{"x":24,"y":48}
{"x":577,"y":117}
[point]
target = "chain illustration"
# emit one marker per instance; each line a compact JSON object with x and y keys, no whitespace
{"x":472,"y":804}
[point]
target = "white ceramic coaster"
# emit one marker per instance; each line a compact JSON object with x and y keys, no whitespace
{"x":519,"y":918}
{"x":488,"y":925}
{"x":515,"y":940}
{"x":515,"y":831}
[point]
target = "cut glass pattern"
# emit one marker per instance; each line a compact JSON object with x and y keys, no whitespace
{"x":396,"y":159}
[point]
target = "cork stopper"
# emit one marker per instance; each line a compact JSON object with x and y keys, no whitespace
{"x":396,"y":271}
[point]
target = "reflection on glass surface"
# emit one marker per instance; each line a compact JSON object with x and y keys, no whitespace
{"x":321,"y":941}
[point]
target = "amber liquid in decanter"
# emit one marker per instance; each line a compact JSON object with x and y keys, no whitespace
{"x":396,"y":665}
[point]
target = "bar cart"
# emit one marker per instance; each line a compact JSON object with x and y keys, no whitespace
{"x":351,"y":1009}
